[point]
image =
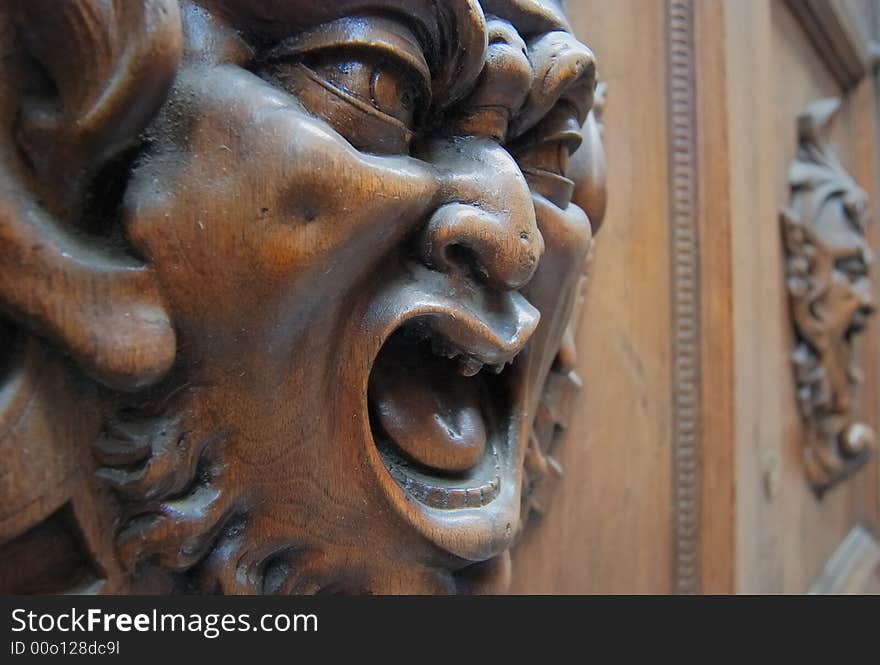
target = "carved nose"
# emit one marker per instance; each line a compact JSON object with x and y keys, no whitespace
{"x":464,"y":237}
{"x":486,"y":226}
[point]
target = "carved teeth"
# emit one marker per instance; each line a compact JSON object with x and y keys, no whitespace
{"x":436,"y":495}
{"x":442,"y":349}
{"x":469,"y":366}
{"x":448,"y":498}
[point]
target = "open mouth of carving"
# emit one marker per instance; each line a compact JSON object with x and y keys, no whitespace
{"x":440,"y":414}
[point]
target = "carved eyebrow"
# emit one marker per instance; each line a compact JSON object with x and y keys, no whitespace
{"x":375,"y":33}
{"x":565,"y":69}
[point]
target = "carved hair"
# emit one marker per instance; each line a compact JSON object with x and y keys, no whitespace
{"x":824,"y":225}
{"x":91,"y":77}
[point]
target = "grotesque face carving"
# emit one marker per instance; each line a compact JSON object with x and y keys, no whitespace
{"x":831,"y":299}
{"x":359,"y":259}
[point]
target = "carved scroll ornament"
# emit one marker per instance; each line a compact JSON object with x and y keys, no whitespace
{"x":827,"y":262}
{"x":284,"y":287}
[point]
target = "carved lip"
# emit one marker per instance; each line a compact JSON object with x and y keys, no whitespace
{"x":470,"y":510}
{"x":447,"y":390}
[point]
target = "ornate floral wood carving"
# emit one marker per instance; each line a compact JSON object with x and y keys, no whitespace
{"x":827,"y":262}
{"x":284,"y":286}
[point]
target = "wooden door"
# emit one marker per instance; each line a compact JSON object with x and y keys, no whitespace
{"x":685,"y":468}
{"x":286,"y":291}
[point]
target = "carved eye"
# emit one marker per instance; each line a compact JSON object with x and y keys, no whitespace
{"x":853,"y":266}
{"x":379,"y":83}
{"x":370,"y":100}
{"x":543,"y":153}
{"x":393,"y":94}
{"x":366,"y":76}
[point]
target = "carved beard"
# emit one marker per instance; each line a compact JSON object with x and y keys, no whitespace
{"x":830,"y":307}
{"x":275,"y":262}
{"x":840,"y":442}
{"x":194,"y":508}
{"x":259,"y":468}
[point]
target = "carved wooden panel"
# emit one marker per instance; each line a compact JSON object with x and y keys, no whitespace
{"x":827,"y":263}
{"x":690,"y":475}
{"x":286,"y":289}
{"x":840,"y":34}
{"x":854,"y":568}
{"x":609,"y":526}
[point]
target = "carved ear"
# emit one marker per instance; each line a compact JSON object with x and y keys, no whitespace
{"x":813,"y":124}
{"x":98,"y":70}
{"x":108,"y":65}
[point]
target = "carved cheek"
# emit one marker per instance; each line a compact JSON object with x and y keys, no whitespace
{"x":567,"y":238}
{"x":270,"y":195}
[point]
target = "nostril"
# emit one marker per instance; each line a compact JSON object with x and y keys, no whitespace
{"x":463,"y":258}
{"x":485,"y":245}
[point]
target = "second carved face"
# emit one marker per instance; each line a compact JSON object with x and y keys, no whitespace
{"x":827,"y":265}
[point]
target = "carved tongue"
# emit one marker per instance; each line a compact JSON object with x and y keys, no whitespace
{"x":427,"y":407}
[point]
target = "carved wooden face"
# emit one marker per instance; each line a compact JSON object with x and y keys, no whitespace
{"x":833,"y":310}
{"x":827,"y":266}
{"x":359,"y":222}
{"x":848,"y":301}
